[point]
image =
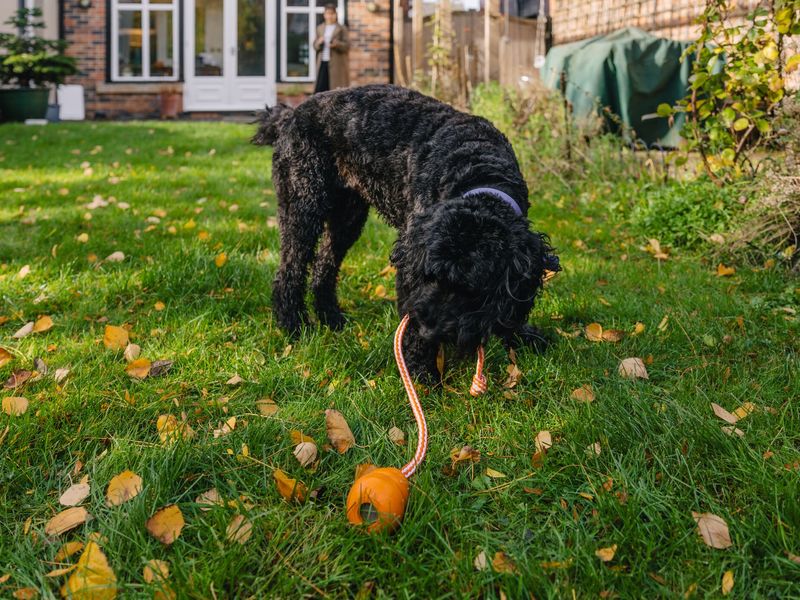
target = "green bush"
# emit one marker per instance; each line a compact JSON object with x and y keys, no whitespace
{"x":686,"y":213}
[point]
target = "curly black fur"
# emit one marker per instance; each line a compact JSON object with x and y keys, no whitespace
{"x":467,"y":267}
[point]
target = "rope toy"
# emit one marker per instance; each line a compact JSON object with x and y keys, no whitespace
{"x":378,"y":497}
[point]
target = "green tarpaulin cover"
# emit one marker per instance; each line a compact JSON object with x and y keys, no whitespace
{"x":630,"y":72}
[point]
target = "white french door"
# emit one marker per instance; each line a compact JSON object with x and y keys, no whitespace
{"x":229,"y":52}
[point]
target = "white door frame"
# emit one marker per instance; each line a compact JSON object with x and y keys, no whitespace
{"x":229,"y":92}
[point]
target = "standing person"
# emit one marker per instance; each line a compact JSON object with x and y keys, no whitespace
{"x":333,"y":70}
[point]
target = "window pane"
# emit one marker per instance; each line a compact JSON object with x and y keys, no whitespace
{"x":296,"y":2}
{"x":251,"y":25}
{"x":208,"y":38}
{"x":161,"y":59}
{"x":130,"y":43}
{"x":155,"y":1}
{"x":297,"y":45}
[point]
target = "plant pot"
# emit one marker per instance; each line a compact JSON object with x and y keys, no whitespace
{"x":294,"y":100}
{"x":19,"y":104}
{"x":171,"y":104}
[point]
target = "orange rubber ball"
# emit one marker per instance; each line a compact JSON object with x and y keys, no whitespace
{"x":378,"y":500}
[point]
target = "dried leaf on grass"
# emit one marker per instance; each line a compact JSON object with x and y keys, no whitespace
{"x":115,"y":338}
{"x":75,"y":494}
{"x":15,"y":405}
{"x":502,"y":563}
{"x":157,"y":572}
{"x":122,"y":488}
{"x":727,"y":582}
{"x":5,"y":357}
{"x":139,"y":368}
{"x":713,"y":529}
{"x":594,"y":332}
{"x":305,"y":453}
{"x":724,"y":414}
{"x":606,"y":554}
{"x":67,"y":550}
{"x":239,"y":529}
{"x":633,"y":368}
{"x":397,"y":436}
{"x":208,"y":499}
{"x":93,"y":579}
{"x":481,"y":562}
{"x":171,"y":430}
{"x":23,"y":331}
{"x":267,"y":407}
{"x":339,"y":431}
{"x":290,"y":489}
{"x":42,"y":324}
{"x":18,"y":379}
{"x":583,"y":393}
{"x":514,"y":376}
{"x":166,"y":524}
{"x":66,"y":520}
{"x":132,"y":352}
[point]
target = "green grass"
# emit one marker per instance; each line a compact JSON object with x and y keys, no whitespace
{"x":661,"y":443}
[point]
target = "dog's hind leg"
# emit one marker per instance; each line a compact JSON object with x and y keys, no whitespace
{"x":342,"y":228}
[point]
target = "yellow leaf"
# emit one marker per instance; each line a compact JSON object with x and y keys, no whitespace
{"x":15,"y":405}
{"x":502,"y":563}
{"x":139,"y":368}
{"x":115,"y":338}
{"x":613,"y":335}
{"x":171,"y":430}
{"x":379,"y":291}
{"x":155,"y":571}
{"x":228,"y":426}
{"x":713,"y":530}
{"x":166,"y":524}
{"x":75,"y":494}
{"x":221,"y":259}
{"x":583,"y":393}
{"x":723,"y":271}
{"x":159,"y":306}
{"x":42,"y":324}
{"x":66,"y":520}
{"x":289,"y":488}
{"x":638,"y":328}
{"x":239,"y":529}
{"x":494,"y":474}
{"x":5,"y":357}
{"x":339,"y":431}
{"x":122,"y":488}
{"x":744,"y":410}
{"x":594,"y":332}
{"x":61,"y":571}
{"x":727,"y":582}
{"x":93,"y":579}
{"x":267,"y":407}
{"x":606,"y":554}
{"x":67,"y":550}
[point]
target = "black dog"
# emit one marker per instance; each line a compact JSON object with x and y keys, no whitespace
{"x":467,"y":264}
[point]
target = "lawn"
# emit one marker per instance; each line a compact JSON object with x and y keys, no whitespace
{"x":180,"y":196}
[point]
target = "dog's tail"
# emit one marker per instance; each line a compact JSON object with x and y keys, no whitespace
{"x":269,"y":124}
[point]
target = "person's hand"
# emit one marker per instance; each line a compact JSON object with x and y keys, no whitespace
{"x":318,"y":43}
{"x":334,"y":43}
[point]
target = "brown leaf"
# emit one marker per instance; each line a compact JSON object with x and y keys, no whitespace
{"x":75,"y":494}
{"x":239,"y":529}
{"x":290,"y":489}
{"x":727,"y":582}
{"x":132,"y":352}
{"x":440,"y":360}
{"x":502,"y":563}
{"x":166,"y":524}
{"x":67,"y":550}
{"x":5,"y":357}
{"x":305,"y":453}
{"x":42,"y":324}
{"x":594,"y":332}
{"x":17,"y":379}
{"x":397,"y":436}
{"x":583,"y":393}
{"x":139,"y":368}
{"x":514,"y":376}
{"x":235,"y":380}
{"x":15,"y":405}
{"x":713,"y":530}
{"x":208,"y":499}
{"x":122,"y":488}
{"x":115,"y":338}
{"x":23,"y":331}
{"x":606,"y":554}
{"x":160,"y":367}
{"x":633,"y":368}
{"x":465,"y":453}
{"x":60,"y":374}
{"x":731,"y":430}
{"x":66,"y":520}
{"x":543,"y":441}
{"x":26,"y":593}
{"x":613,"y":335}
{"x":724,"y":414}
{"x":93,"y":579}
{"x":339,"y":431}
{"x":267,"y":407}
{"x":228,"y":426}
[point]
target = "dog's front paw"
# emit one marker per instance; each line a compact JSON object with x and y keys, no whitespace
{"x":528,"y":336}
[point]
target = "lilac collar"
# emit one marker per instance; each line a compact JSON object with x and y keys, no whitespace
{"x":497,"y":194}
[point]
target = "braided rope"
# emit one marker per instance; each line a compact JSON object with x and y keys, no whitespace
{"x":478,"y":387}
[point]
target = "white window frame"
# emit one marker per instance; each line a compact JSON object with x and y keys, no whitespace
{"x":145,"y":7}
{"x":314,"y":8}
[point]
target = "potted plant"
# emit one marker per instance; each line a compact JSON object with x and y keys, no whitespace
{"x":29,"y":65}
{"x":170,"y":98}
{"x":293,"y":94}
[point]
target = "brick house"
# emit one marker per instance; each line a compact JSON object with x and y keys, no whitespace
{"x":221,"y":55}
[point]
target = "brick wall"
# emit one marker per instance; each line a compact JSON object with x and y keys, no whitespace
{"x":369,"y":41}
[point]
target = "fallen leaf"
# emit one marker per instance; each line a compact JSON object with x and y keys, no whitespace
{"x":267,"y":407}
{"x":713,"y":530}
{"x":220,"y":260}
{"x":93,"y":578}
{"x":166,"y":524}
{"x":15,"y":405}
{"x":305,"y":453}
{"x":638,"y":328}
{"x":159,"y":306}
{"x":115,"y":257}
{"x":66,"y":520}
{"x":543,"y":441}
{"x":23,"y":331}
{"x":23,"y":272}
{"x":208,"y":499}
{"x":502,"y":563}
{"x":115,"y":338}
{"x":583,"y":393}
{"x":339,"y":431}
{"x":633,"y":368}
{"x":514,"y":376}
{"x":228,"y":426}
{"x":606,"y":554}
{"x":397,"y":436}
{"x":5,"y":357}
{"x":724,"y":414}
{"x":60,"y":572}
{"x":239,"y":529}
{"x":731,"y":430}
{"x":595,"y":449}
{"x":139,"y":368}
{"x":122,"y":488}
{"x":290,"y":489}
{"x":594,"y":332}
{"x":744,"y":410}
{"x":298,"y":437}
{"x":132,"y":352}
{"x":67,"y":550}
{"x":60,"y":374}
{"x":440,"y":360}
{"x":465,"y":453}
{"x":75,"y":494}
{"x":613,"y":335}
{"x":235,"y":380}
{"x":171,"y":430}
{"x":481,"y":562}
{"x":42,"y":324}
{"x":727,"y":582}
{"x":155,"y":571}
{"x":494,"y":474}
{"x":17,"y":379}
{"x":26,"y":593}
{"x":160,"y":367}
{"x":723,"y":271}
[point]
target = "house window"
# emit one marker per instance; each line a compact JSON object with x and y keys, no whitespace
{"x":144,"y":38}
{"x":299,"y":20}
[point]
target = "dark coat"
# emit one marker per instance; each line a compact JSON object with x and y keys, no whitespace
{"x":338,"y":67}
